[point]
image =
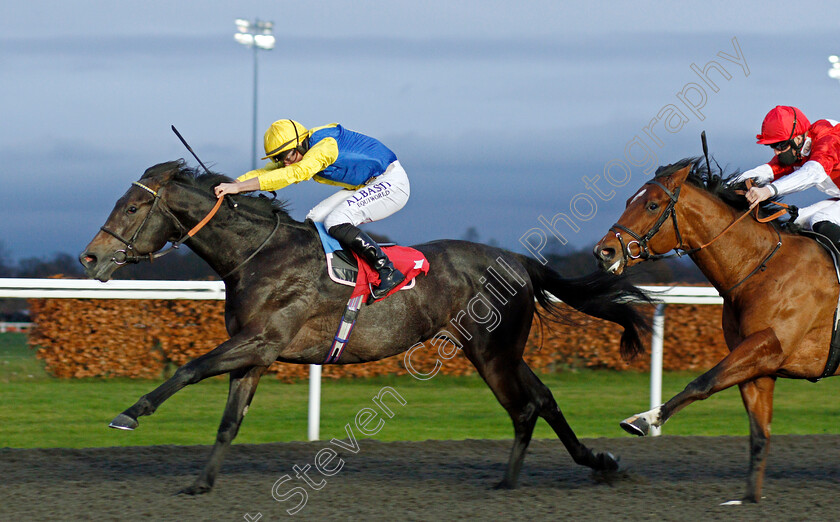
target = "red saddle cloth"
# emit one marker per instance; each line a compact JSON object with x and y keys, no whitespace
{"x":407,"y":260}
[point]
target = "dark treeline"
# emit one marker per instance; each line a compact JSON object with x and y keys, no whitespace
{"x":184,"y":265}
{"x":176,"y":266}
{"x":570,"y":262}
{"x":667,"y":271}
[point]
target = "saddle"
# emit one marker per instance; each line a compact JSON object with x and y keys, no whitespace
{"x":343,"y":268}
{"x":342,"y":265}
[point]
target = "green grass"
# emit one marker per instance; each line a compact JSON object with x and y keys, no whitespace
{"x":39,"y":411}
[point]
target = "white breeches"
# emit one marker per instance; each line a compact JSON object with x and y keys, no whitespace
{"x":381,"y":197}
{"x":826,"y":210}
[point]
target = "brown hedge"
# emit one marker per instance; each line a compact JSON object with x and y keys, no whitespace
{"x":149,"y":338}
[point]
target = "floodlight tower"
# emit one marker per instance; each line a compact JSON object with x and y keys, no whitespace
{"x":834,"y":71}
{"x":256,"y":35}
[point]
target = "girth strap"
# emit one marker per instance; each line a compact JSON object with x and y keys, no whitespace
{"x":345,"y":328}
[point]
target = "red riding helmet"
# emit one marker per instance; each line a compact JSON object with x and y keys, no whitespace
{"x":782,"y":123}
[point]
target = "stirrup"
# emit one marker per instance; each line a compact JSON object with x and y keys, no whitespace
{"x":386,"y":284}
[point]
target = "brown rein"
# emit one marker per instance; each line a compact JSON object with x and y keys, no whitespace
{"x":126,"y":255}
{"x":194,"y":230}
{"x":761,"y":266}
{"x":754,"y":206}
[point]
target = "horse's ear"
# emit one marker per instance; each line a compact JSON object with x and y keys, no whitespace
{"x":678,"y":177}
{"x":163,"y":172}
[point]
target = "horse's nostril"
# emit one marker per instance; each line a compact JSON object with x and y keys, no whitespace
{"x":87,"y":259}
{"x":607,"y":253}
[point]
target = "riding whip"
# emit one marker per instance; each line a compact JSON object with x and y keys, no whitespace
{"x":187,"y":145}
{"x":189,"y":148}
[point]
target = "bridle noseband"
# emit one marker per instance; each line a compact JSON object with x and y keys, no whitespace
{"x":642,"y":241}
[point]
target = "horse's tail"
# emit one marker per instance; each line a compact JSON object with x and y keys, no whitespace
{"x":598,"y":294}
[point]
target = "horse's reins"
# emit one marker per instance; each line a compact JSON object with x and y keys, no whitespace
{"x":126,"y":254}
{"x":126,"y":257}
{"x":680,"y":250}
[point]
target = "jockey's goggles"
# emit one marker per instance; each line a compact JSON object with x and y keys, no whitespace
{"x":280,"y":158}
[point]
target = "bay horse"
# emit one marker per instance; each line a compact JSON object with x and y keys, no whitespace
{"x":779,"y":289}
{"x":281,"y":305}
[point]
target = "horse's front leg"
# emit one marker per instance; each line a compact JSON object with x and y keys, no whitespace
{"x":758,"y":355}
{"x":241,"y":351}
{"x":758,"y":400}
{"x":243,"y":384}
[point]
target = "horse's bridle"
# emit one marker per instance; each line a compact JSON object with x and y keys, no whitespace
{"x":127,"y":254}
{"x":680,"y":250}
{"x":642,"y":241}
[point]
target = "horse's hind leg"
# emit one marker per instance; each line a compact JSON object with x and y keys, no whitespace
{"x":578,"y":451}
{"x":511,"y":390}
{"x":549,"y":410}
{"x":526,"y":398}
{"x":758,"y":400}
{"x":243,"y":384}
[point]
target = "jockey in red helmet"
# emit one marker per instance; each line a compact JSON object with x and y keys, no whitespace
{"x":806,"y":155}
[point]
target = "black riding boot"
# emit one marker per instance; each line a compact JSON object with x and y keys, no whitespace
{"x":369,"y":250}
{"x":829,"y":230}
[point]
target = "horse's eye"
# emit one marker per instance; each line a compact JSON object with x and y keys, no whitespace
{"x":131,"y":210}
{"x":652,"y":205}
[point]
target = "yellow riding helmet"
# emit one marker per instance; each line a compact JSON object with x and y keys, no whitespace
{"x":283,"y":135}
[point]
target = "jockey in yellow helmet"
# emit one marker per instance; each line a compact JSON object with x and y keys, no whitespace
{"x":374,"y":184}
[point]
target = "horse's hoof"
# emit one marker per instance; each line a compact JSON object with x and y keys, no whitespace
{"x":748,"y":499}
{"x":195,"y":489}
{"x":636,"y":426}
{"x":607,"y":462}
{"x":123,"y":422}
{"x":504,"y":484}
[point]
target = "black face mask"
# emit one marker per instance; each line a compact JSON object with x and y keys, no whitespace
{"x":788,"y":157}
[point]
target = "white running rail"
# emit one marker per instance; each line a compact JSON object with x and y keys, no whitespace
{"x":124,"y":289}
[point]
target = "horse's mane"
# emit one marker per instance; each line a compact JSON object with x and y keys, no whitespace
{"x":205,"y":181}
{"x":718,"y":184}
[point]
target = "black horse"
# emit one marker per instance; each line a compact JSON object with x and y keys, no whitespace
{"x":281,"y":305}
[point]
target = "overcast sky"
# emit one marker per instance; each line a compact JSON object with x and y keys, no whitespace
{"x":505,"y":115}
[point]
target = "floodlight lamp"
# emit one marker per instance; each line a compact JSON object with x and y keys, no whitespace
{"x":242,"y":25}
{"x":834,"y":59}
{"x":834,"y":73}
{"x":264,"y":41}
{"x":244,"y":38}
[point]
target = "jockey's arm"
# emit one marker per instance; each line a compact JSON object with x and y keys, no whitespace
{"x":317,"y":158}
{"x":810,"y":174}
{"x":762,"y":174}
{"x":274,"y":177}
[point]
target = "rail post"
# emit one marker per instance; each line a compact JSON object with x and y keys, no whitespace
{"x":656,"y":349}
{"x":314,"y":401}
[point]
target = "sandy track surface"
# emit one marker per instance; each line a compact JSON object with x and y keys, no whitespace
{"x":666,"y":478}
